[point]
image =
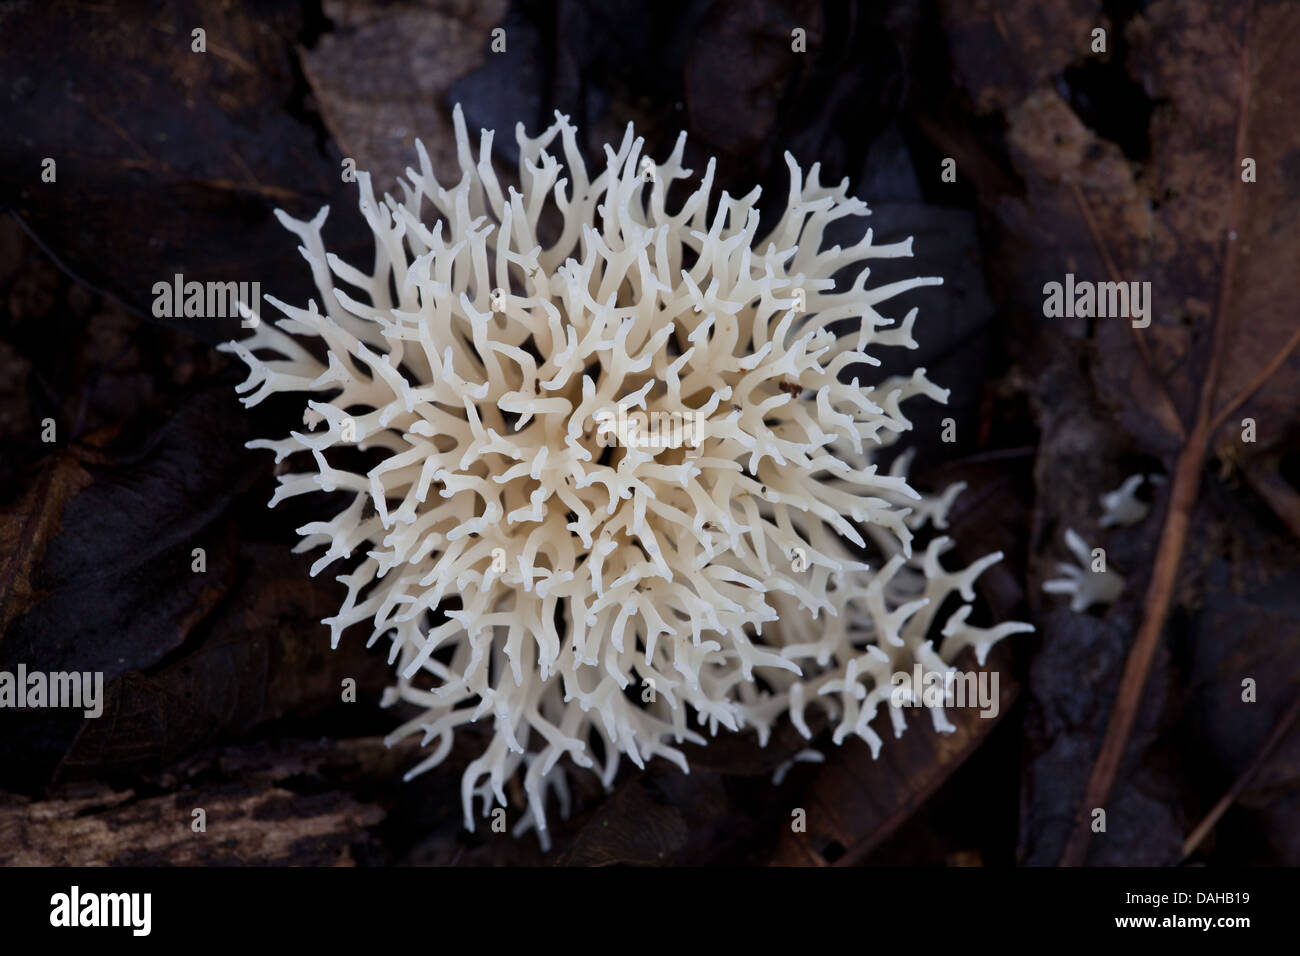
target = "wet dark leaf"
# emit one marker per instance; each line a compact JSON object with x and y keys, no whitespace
{"x":100,"y":556}
{"x":265,"y":656}
{"x":167,"y":160}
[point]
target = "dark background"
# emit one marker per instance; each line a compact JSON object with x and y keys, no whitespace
{"x":222,"y":692}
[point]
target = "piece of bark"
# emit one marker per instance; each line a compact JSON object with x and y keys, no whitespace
{"x":257,"y":811}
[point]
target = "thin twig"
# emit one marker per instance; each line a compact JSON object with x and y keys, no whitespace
{"x":1265,"y":374}
{"x":1205,"y":826}
{"x":1277,"y":493}
{"x":81,"y":280}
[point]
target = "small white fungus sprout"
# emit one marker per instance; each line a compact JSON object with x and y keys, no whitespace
{"x":588,"y":598}
{"x":807,"y":755}
{"x":1090,"y":582}
{"x":1122,"y":506}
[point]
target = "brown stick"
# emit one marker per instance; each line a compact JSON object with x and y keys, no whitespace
{"x":1205,"y":826}
{"x":1265,"y":374}
{"x":1182,"y":499}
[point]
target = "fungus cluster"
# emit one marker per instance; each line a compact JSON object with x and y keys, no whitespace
{"x":583,"y":597}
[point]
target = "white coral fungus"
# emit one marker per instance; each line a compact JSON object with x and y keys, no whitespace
{"x":587,"y":598}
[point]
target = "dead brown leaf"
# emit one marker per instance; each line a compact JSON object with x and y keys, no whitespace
{"x":381,"y":75}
